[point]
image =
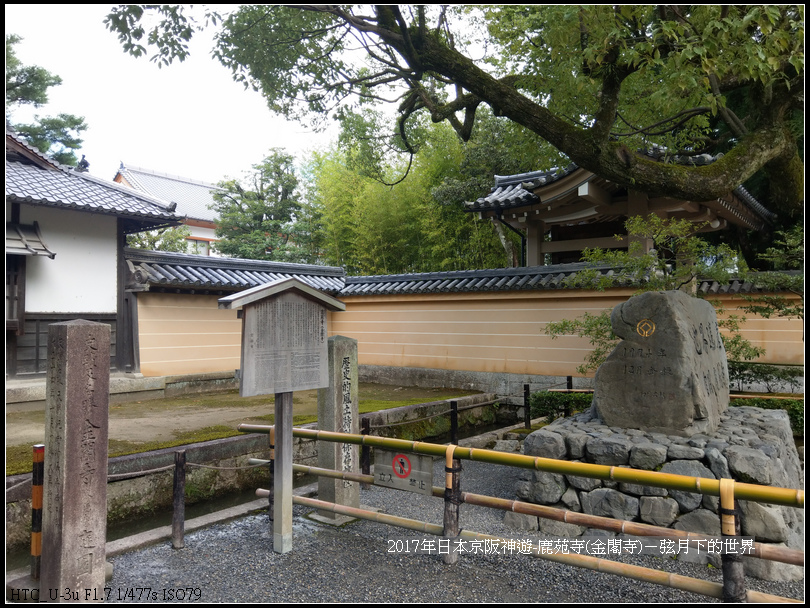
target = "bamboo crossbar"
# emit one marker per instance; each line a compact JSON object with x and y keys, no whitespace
{"x":639,"y":573}
{"x":701,"y":485}
{"x":760,"y":550}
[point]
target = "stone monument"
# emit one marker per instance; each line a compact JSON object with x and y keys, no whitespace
{"x":661,"y":404}
{"x":669,"y":374}
{"x":74,"y":518}
{"x":338,"y":412}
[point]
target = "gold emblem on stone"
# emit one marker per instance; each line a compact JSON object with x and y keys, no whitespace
{"x":645,"y":328}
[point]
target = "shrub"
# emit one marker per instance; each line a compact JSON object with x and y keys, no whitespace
{"x":743,"y":375}
{"x":556,"y":405}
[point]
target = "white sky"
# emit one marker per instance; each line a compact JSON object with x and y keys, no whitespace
{"x":189,"y":119}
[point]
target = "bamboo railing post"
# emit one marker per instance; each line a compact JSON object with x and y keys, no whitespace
{"x":365,"y":451}
{"x":37,"y":481}
{"x":179,"y":500}
{"x":730,"y":526}
{"x":452,"y":499}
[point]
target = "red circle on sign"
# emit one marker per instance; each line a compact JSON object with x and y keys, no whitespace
{"x":401,"y":466}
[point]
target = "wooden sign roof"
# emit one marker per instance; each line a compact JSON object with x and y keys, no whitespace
{"x":275,"y":288}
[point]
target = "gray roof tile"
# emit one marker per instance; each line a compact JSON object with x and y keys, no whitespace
{"x":184,"y":271}
{"x":513,"y":191}
{"x":26,"y":183}
{"x":192,"y":197}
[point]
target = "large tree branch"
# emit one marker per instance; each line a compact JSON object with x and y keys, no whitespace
{"x":590,"y":150}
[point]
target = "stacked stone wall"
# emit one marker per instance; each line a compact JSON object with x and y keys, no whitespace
{"x":750,"y":445}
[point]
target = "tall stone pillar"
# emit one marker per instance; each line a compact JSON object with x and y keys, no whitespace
{"x":74,"y":519}
{"x":338,"y":407}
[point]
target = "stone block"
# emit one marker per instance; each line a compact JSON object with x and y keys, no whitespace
{"x":658,"y":511}
{"x":608,"y":450}
{"x":647,"y":456}
{"x":688,"y":501}
{"x":520,"y":521}
{"x":700,"y":521}
{"x":639,"y":490}
{"x":671,"y":353}
{"x":570,"y":500}
{"x":749,"y":465}
{"x":717,"y":463}
{"x":507,"y":445}
{"x":684,"y":452}
{"x":610,"y":503}
{"x":766,"y":523}
{"x":545,"y":445}
{"x":548,"y":488}
{"x":772,"y":571}
{"x":560,"y":528}
{"x":575,"y":443}
{"x":585,"y":484}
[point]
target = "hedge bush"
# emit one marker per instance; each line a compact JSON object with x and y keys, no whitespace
{"x":557,"y":405}
{"x":743,"y":375}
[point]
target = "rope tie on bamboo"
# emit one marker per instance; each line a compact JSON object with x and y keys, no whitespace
{"x":449,"y":469}
{"x":727,"y":511}
{"x":728,"y":514}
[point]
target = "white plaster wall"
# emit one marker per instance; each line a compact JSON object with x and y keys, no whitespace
{"x":203,"y":233}
{"x":82,"y":277}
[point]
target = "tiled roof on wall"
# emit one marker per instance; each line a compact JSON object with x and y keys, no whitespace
{"x":193,"y":272}
{"x":186,"y":271}
{"x":497,"y":279}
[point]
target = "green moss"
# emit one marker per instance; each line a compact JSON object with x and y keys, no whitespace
{"x":377,"y":397}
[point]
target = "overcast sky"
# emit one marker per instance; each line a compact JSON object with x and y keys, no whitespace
{"x":189,"y":119}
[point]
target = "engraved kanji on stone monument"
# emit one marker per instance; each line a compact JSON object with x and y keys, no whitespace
{"x":338,"y":412}
{"x":74,"y":519}
{"x":669,"y":373}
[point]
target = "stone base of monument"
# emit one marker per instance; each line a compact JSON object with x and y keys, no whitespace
{"x":750,"y":445}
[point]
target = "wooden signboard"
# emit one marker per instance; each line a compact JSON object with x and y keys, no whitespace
{"x":284,"y":337}
{"x":284,"y":349}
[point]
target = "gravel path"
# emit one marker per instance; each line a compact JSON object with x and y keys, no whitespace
{"x":235,"y":562}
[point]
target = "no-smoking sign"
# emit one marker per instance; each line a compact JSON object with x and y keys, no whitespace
{"x":412,"y":472}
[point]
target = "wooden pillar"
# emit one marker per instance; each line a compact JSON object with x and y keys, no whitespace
{"x":535,"y":233}
{"x":638,"y":203}
{"x":283,"y":474}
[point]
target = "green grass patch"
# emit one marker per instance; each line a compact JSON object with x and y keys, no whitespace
{"x":18,"y":457}
{"x":524,"y":432}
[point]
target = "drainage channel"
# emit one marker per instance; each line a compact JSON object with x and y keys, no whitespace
{"x":20,"y":558}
